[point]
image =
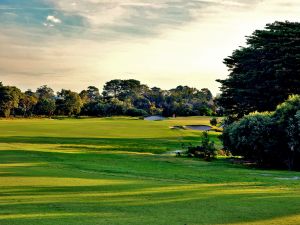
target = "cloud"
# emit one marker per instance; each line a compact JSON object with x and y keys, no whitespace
{"x":53,"y":19}
{"x":143,"y":18}
{"x":48,"y":24}
{"x":133,"y":16}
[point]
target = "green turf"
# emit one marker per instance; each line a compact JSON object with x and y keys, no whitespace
{"x":107,"y":171}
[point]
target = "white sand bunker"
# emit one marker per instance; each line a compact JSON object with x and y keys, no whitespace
{"x":154,"y":118}
{"x":199,"y":127}
{"x":174,"y":152}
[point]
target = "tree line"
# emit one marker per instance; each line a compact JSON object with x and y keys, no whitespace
{"x":119,"y":97}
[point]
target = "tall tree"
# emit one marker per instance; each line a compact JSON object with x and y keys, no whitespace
{"x":207,"y":94}
{"x":93,"y":94}
{"x":91,"y":101}
{"x":9,"y":99}
{"x":45,"y":107}
{"x":112,"y":88}
{"x":158,"y":96}
{"x":27,"y":102}
{"x":124,"y":89}
{"x":46,"y":101}
{"x":68,"y":102}
{"x":264,"y":73}
{"x":45,"y":92}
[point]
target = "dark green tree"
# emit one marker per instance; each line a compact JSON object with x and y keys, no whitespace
{"x":91,"y":101}
{"x":68,"y":102}
{"x":112,"y":89}
{"x":27,"y":103}
{"x":269,"y":139}
{"x":9,"y":99}
{"x":142,"y":103}
{"x":157,"y":96}
{"x":46,"y":101}
{"x":93,"y":94}
{"x":45,"y":92}
{"x":45,"y":107}
{"x":264,"y":73}
{"x":124,"y":89}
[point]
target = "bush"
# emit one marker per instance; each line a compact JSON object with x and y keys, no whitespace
{"x":270,"y":139}
{"x":93,"y":109}
{"x":206,"y":150}
{"x":213,"y":121}
{"x":205,"y":111}
{"x":250,"y":137}
{"x":227,"y":121}
{"x":287,"y":117}
{"x":115,"y":108}
{"x":136,"y":112}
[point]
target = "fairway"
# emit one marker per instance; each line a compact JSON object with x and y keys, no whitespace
{"x":114,"y":171}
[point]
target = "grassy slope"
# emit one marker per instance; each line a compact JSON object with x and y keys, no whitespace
{"x":100,"y":171}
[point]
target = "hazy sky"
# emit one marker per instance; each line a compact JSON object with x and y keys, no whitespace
{"x":73,"y":44}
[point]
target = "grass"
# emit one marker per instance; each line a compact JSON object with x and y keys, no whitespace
{"x":107,"y":171}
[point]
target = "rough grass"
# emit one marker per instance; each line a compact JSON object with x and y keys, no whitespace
{"x":104,"y":171}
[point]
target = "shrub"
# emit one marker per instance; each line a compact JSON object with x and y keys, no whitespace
{"x":206,"y":150}
{"x":227,"y":121}
{"x":250,"y":137}
{"x":136,"y":112}
{"x":93,"y":109}
{"x":205,"y":111}
{"x":115,"y":107}
{"x":270,"y":139}
{"x":213,"y":121}
{"x":287,"y":117}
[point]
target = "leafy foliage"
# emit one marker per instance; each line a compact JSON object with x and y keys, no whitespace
{"x":45,"y":107}
{"x":205,"y":150}
{"x":68,"y":103}
{"x":119,"y":97}
{"x":213,"y":121}
{"x":9,"y":99}
{"x":264,"y":73}
{"x":136,"y":112}
{"x":270,"y":139}
{"x":251,"y":137}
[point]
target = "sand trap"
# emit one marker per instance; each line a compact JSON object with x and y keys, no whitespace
{"x":199,"y":127}
{"x":154,"y":118}
{"x":178,"y":127}
{"x":277,"y":178}
{"x":174,"y":152}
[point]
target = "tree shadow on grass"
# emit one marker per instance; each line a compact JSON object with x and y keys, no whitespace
{"x":83,"y":140}
{"x":139,"y":201}
{"x":135,"y":204}
{"x":153,"y":145}
{"x":130,"y":166}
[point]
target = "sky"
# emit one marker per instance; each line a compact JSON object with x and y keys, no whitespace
{"x":73,"y":44}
